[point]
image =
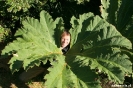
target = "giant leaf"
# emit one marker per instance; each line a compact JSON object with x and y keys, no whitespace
{"x":97,"y":44}
{"x":120,"y":14}
{"x":94,"y":44}
{"x":39,"y":43}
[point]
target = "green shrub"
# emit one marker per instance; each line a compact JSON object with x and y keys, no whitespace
{"x":4,"y":34}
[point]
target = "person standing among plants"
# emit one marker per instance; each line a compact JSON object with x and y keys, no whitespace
{"x":65,"y":41}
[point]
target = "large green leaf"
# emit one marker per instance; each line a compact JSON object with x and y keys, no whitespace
{"x":120,"y":14}
{"x":38,"y":44}
{"x":61,"y":76}
{"x":94,"y":44}
{"x":97,"y":44}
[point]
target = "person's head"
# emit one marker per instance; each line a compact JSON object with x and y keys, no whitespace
{"x":65,"y":39}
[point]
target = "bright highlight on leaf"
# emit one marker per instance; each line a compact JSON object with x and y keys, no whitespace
{"x":94,"y":44}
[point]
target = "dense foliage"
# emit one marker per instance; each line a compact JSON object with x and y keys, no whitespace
{"x":13,"y":12}
{"x":96,"y":43}
{"x":92,"y":46}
